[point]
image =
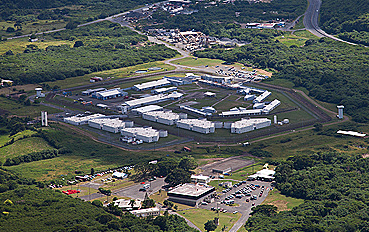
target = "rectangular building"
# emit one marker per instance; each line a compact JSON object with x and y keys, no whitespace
{"x":246,"y":125}
{"x":109,"y":94}
{"x":146,"y":134}
{"x":262,"y":97}
{"x":146,"y":212}
{"x":151,"y":85}
{"x":163,"y":90}
{"x":150,"y":100}
{"x":167,"y":118}
{"x":146,"y":109}
{"x":271,"y":106}
{"x":190,"y":194}
{"x":201,"y":126}
{"x":241,"y":112}
{"x":108,"y":124}
{"x":91,"y":91}
{"x":77,"y":121}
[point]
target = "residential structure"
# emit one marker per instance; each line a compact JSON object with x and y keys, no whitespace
{"x":77,"y":121}
{"x":262,"y":97}
{"x":197,"y":125}
{"x":246,"y":125}
{"x":164,"y":117}
{"x":146,"y":134}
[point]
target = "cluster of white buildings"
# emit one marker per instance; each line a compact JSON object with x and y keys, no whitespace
{"x":246,"y":125}
{"x":77,"y":121}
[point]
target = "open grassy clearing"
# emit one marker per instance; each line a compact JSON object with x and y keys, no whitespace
{"x":289,"y":40}
{"x":23,"y":147}
{"x":19,"y":109}
{"x":282,"y":202}
{"x":243,"y":173}
{"x":305,"y":34}
{"x":116,"y":73}
{"x":53,"y":168}
{"x":6,"y":138}
{"x":200,"y":216}
{"x":299,"y":24}
{"x":18,"y":45}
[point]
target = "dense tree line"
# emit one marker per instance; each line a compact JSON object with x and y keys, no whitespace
{"x":106,"y":46}
{"x":348,"y":19}
{"x":332,"y":71}
{"x":34,"y":156}
{"x":34,"y":209}
{"x":226,"y":13}
{"x":334,"y":187}
{"x":28,"y":10}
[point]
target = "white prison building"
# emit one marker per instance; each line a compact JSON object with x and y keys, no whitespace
{"x":201,"y":126}
{"x":108,"y":124}
{"x":77,"y":121}
{"x":167,"y":118}
{"x":241,"y":112}
{"x":262,"y":97}
{"x":150,"y":100}
{"x":146,"y":134}
{"x":151,"y":85}
{"x":271,"y":106}
{"x":246,"y":125}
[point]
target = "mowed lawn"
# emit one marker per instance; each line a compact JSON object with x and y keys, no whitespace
{"x":282,"y":202}
{"x":200,"y":216}
{"x":23,"y":147}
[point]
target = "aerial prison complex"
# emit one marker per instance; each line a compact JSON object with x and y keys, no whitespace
{"x":162,"y":91}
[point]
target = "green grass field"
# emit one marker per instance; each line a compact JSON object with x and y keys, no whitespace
{"x":23,"y":147}
{"x":282,"y":202}
{"x":116,"y":73}
{"x":200,"y":216}
{"x":18,"y":109}
{"x":6,"y":138}
{"x":243,"y":173}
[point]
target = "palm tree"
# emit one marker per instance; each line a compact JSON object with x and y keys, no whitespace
{"x":132,"y":202}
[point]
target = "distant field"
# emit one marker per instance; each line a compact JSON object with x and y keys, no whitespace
{"x":21,"y":110}
{"x":282,"y":202}
{"x":18,"y":45}
{"x":116,"y":73}
{"x":200,"y":216}
{"x":23,"y":147}
{"x":6,"y":138}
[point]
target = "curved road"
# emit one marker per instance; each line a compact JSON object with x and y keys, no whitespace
{"x":311,"y":21}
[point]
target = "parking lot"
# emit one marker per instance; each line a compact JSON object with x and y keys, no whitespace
{"x":242,"y":203}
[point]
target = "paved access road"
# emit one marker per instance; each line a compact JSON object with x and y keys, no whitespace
{"x":133,"y":191}
{"x":243,"y":207}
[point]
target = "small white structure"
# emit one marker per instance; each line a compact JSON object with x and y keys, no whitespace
{"x":210,"y":94}
{"x":249,"y":97}
{"x":275,"y":119}
{"x":200,"y":179}
{"x":109,"y":94}
{"x":340,"y":111}
{"x":146,"y":212}
{"x":352,"y":133}
{"x":246,"y":125}
{"x":150,"y":100}
{"x":120,"y":175}
{"x":286,"y":121}
{"x":260,"y":105}
{"x":44,"y":118}
{"x":39,"y":93}
{"x":201,"y":126}
{"x":127,"y":205}
{"x":264,"y":174}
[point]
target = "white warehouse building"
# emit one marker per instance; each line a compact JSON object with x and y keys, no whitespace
{"x":77,"y":121}
{"x":151,"y":85}
{"x":201,"y":126}
{"x":262,"y":97}
{"x":108,"y":124}
{"x":150,"y":100}
{"x":146,"y":134}
{"x":167,"y":118}
{"x":246,"y":125}
{"x":271,"y":106}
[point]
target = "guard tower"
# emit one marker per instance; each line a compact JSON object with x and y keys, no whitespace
{"x":44,"y":118}
{"x":340,"y":112}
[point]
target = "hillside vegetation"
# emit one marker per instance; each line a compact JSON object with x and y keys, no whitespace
{"x":348,"y":19}
{"x":97,"y":47}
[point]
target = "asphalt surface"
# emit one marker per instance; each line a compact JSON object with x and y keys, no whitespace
{"x":133,"y":191}
{"x":244,"y":208}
